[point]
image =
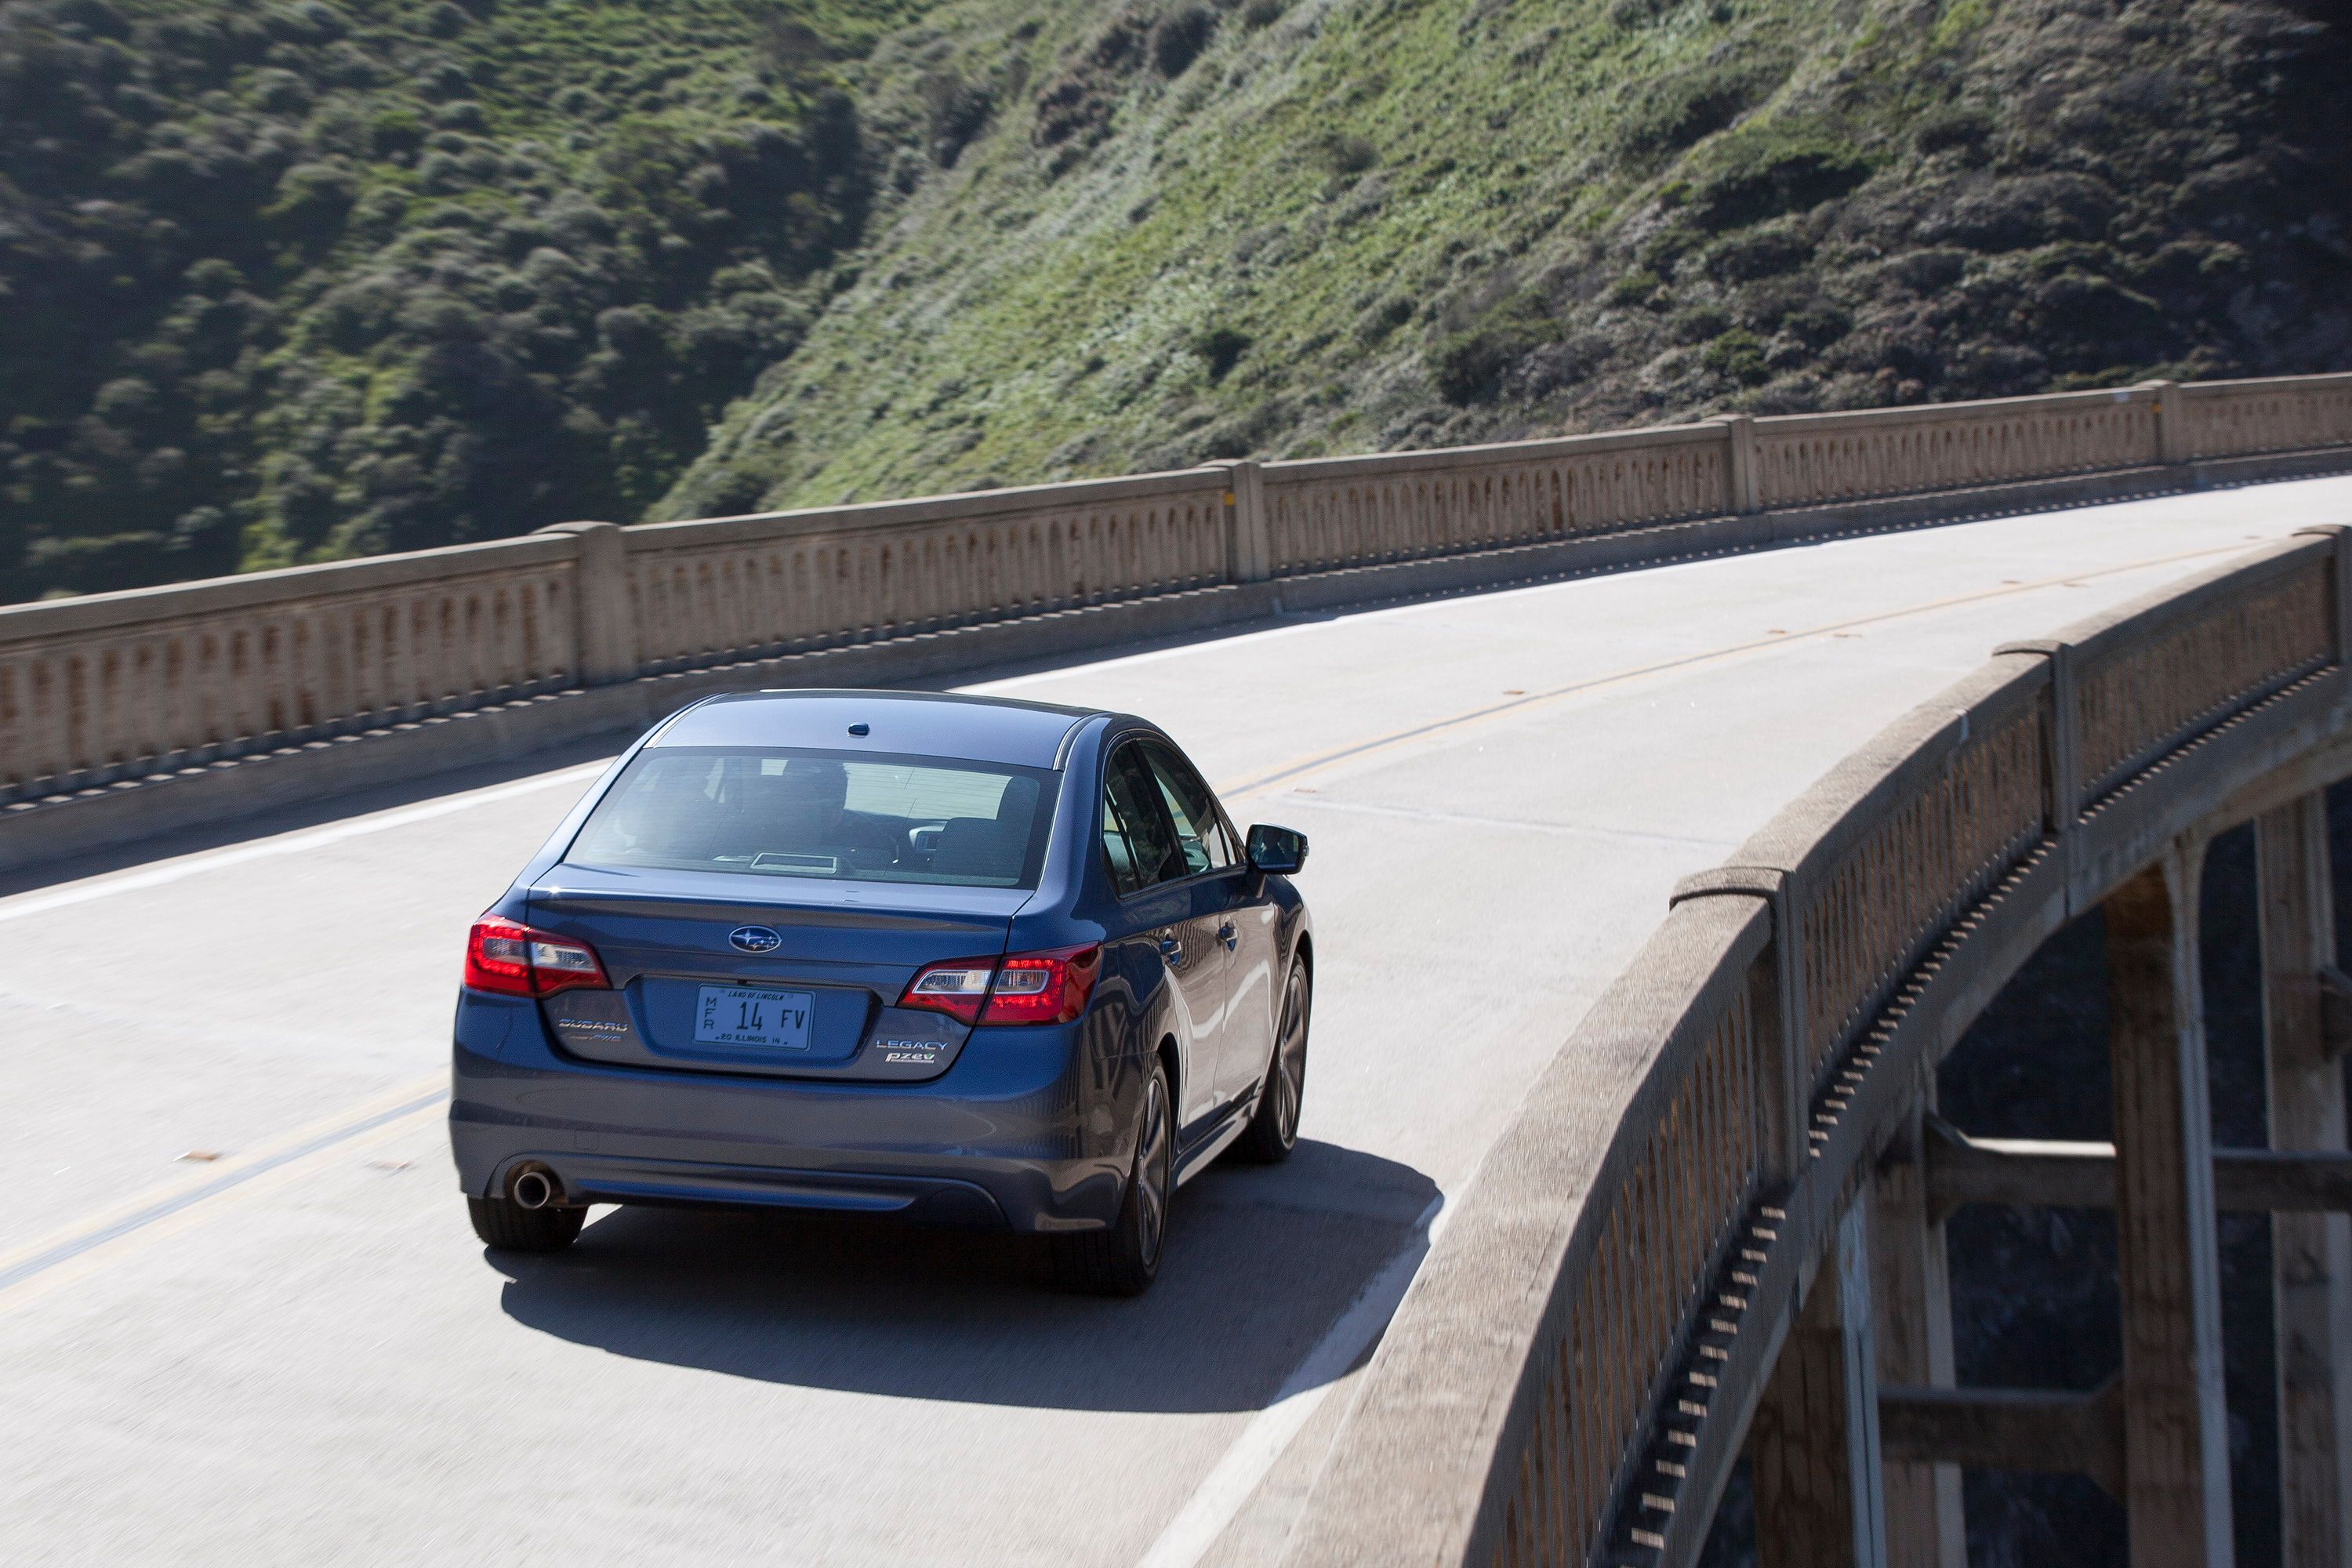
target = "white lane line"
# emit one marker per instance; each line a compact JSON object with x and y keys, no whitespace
{"x":1227,"y":1486}
{"x":25,"y":904}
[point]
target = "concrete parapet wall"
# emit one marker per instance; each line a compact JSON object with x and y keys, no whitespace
{"x":2232,"y":418}
{"x":174,"y":683}
{"x":1347,"y":512}
{"x":1570,"y":1378}
{"x":1886,"y":451}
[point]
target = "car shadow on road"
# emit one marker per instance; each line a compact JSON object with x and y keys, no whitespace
{"x":1260,"y":1263}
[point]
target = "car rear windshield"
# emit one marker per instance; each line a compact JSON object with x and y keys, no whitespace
{"x":848,"y":818}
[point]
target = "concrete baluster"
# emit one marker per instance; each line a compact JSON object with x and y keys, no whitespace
{"x":1249,"y":549}
{"x":2311,"y":1253}
{"x":1784,"y":1069}
{"x":2171,"y":421}
{"x":2062,"y":750}
{"x":1740,"y":432}
{"x":603,"y":622}
{"x":2177,"y":1429}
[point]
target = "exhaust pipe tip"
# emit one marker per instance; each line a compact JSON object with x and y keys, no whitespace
{"x":533,"y":1188}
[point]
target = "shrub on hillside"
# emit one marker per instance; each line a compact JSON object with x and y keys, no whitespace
{"x":1346,"y":155}
{"x":1736,"y":355}
{"x":1467,"y":366}
{"x":1177,"y":39}
{"x":2014,"y":214}
{"x":1219,"y":349}
{"x":1952,"y":128}
{"x":1640,"y":288}
{"x":1669,"y":112}
{"x":1383,"y":317}
{"x":954,"y":111}
{"x":1076,"y":106}
{"x":1762,"y":252}
{"x":1761,"y":179}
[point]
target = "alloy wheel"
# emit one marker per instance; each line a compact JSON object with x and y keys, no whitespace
{"x":1154,"y":1170}
{"x":1290,"y":1058}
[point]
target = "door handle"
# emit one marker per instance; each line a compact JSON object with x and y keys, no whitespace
{"x":1225,"y":935}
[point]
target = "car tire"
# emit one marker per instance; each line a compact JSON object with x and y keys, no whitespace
{"x":510,"y":1228}
{"x":1273,"y":1129}
{"x":1123,"y":1258}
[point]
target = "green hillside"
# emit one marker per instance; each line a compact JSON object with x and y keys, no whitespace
{"x":291,"y":281}
{"x":1344,"y":226}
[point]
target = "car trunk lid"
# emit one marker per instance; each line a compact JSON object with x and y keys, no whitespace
{"x":795,"y":978}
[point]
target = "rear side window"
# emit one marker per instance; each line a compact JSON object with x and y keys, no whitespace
{"x":846,"y":817}
{"x":1138,"y":842}
{"x":1200,"y":836}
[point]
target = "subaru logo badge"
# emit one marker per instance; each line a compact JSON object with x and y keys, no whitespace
{"x":755,"y":938}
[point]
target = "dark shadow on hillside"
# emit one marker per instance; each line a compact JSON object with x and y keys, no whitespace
{"x":1259,"y":1263}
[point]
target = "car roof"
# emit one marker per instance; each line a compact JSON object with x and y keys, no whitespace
{"x":908,"y":723}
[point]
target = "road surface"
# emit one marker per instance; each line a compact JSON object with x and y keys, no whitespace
{"x":289,"y":1349}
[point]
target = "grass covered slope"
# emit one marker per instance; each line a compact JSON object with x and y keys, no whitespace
{"x":290,"y":279}
{"x":1173,"y":231}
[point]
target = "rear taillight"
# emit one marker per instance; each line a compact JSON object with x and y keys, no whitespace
{"x":957,"y":987}
{"x":1049,"y":987}
{"x":1044,"y":987}
{"x":506,"y":956}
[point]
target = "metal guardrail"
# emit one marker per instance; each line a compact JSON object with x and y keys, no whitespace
{"x":156,"y":681}
{"x":1568,"y":1377}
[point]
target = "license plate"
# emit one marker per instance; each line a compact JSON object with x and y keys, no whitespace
{"x":740,"y":1015}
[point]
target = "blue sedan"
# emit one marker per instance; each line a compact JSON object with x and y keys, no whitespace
{"x":969,"y":961}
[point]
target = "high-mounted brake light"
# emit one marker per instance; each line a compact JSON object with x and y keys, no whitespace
{"x":1047,"y":987}
{"x":506,"y":956}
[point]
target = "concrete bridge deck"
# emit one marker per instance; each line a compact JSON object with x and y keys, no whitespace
{"x":296,"y":1351}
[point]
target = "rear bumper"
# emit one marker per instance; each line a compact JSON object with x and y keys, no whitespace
{"x":1006,"y":1137}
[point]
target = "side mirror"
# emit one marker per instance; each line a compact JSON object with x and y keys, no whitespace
{"x":1280,"y":851}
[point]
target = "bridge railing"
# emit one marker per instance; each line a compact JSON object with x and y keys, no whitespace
{"x":2228,"y":418}
{"x":1813,"y":458}
{"x":116,"y":686}
{"x":1349,"y":512}
{"x":1567,"y":1380}
{"x":742,"y":586}
{"x":2136,"y":685}
{"x":158,"y":679}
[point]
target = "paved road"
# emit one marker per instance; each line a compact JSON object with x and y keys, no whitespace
{"x":295,"y":1353}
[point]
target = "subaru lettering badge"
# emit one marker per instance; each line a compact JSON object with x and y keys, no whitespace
{"x":755,"y":938}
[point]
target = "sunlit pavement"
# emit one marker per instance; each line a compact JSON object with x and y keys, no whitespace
{"x":295,"y":1352}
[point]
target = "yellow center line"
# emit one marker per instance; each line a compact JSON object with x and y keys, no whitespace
{"x":1305,"y":763}
{"x":170,"y":1208}
{"x":294,"y":1150}
{"x":107,"y":1247}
